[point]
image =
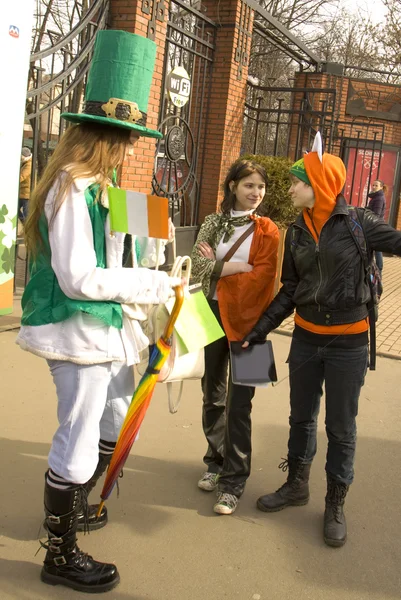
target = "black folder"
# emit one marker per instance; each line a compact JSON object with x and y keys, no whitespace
{"x":254,"y":365}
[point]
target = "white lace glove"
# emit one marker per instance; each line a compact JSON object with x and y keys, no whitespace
{"x":161,"y":289}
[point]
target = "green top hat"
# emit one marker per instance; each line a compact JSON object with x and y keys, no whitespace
{"x":119,"y":80}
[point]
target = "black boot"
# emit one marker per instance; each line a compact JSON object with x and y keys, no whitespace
{"x":91,"y":522}
{"x":335,"y":525}
{"x":65,"y":564}
{"x":294,"y":492}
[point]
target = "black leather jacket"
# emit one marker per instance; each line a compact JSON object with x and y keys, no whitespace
{"x":377,"y":203}
{"x":326,"y":282}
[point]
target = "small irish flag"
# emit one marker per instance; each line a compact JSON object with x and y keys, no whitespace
{"x":138,"y":214}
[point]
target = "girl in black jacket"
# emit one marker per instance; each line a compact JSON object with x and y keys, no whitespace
{"x":324,"y":280}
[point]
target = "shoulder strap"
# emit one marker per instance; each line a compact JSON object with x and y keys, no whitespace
{"x":358,"y":234}
{"x":238,"y":243}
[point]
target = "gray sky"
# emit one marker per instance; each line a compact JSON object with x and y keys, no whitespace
{"x":375,"y":8}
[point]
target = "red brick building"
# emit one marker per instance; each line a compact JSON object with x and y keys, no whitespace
{"x":211,"y":42}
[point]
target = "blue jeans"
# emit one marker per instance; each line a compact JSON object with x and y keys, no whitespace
{"x":22,"y":209}
{"x":379,"y":260}
{"x":343,"y":373}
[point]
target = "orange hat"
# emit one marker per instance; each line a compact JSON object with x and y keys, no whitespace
{"x":327,"y":175}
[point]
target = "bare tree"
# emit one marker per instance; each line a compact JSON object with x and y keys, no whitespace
{"x":352,"y":39}
{"x":53,"y":20}
{"x":273,"y":61}
{"x":392,"y":35}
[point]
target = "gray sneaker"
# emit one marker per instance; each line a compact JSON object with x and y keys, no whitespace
{"x":208,"y":482}
{"x":226,"y":504}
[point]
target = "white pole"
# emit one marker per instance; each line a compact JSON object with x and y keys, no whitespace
{"x":15,"y":40}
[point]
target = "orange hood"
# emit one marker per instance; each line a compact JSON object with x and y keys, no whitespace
{"x":327,"y":179}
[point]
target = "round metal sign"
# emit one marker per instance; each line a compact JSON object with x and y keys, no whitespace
{"x":178,"y":86}
{"x":175,"y":143}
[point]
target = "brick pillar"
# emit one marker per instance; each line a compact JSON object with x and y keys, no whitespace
{"x":127,"y":15}
{"x":228,"y":89}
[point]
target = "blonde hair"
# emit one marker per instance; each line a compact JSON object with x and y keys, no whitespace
{"x":85,"y":150}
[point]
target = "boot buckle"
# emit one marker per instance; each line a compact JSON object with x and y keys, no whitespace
{"x":56,"y":540}
{"x":59,"y":561}
{"x":54,"y":549}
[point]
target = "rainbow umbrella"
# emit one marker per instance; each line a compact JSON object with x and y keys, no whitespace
{"x":140,"y":400}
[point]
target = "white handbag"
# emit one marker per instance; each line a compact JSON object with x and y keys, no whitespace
{"x":180,"y":365}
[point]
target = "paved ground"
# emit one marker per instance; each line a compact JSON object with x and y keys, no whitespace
{"x":162,"y":533}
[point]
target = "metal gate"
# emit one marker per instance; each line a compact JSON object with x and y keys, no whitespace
{"x":190,"y":44}
{"x":56,"y":84}
{"x":57,"y":76}
{"x":284,"y":121}
{"x":360,"y":145}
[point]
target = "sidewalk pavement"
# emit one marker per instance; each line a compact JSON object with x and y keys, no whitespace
{"x":388,"y":326}
{"x":162,"y":533}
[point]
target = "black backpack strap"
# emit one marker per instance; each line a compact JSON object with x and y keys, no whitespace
{"x":355,"y":226}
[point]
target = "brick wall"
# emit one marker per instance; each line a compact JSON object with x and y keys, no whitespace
{"x":392,"y":129}
{"x":392,"y":134}
{"x":128,"y":15}
{"x":222,"y":136}
{"x":224,"y":131}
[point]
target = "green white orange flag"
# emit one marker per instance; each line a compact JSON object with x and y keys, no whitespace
{"x":138,"y":214}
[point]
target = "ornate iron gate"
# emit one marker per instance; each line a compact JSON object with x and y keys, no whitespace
{"x":57,"y":76}
{"x":184,"y":108}
{"x":282,"y":121}
{"x":56,"y":84}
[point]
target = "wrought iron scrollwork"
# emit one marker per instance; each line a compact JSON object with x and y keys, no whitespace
{"x":57,"y":76}
{"x":175,"y":169}
{"x":175,"y":143}
{"x":184,"y":108}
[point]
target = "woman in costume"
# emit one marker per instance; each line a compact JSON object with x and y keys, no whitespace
{"x":239,"y":288}
{"x":324,"y":279}
{"x":73,"y":305}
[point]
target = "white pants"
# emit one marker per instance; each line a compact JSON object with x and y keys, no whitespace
{"x":92,"y":403}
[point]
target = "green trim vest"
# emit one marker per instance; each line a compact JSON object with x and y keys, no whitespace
{"x":44,"y":302}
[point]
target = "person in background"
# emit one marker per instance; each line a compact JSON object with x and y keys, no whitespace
{"x":377,"y":204}
{"x":238,"y":289}
{"x":324,"y":280}
{"x":24,"y":183}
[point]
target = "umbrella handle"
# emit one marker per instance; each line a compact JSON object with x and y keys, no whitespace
{"x":179,"y":299}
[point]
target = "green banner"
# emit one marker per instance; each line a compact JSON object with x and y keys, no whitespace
{"x":118,"y":209}
{"x":196,"y":325}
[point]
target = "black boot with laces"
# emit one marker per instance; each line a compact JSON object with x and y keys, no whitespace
{"x":294,"y":492}
{"x":65,"y":564}
{"x":91,"y":521}
{"x":335,"y":524}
